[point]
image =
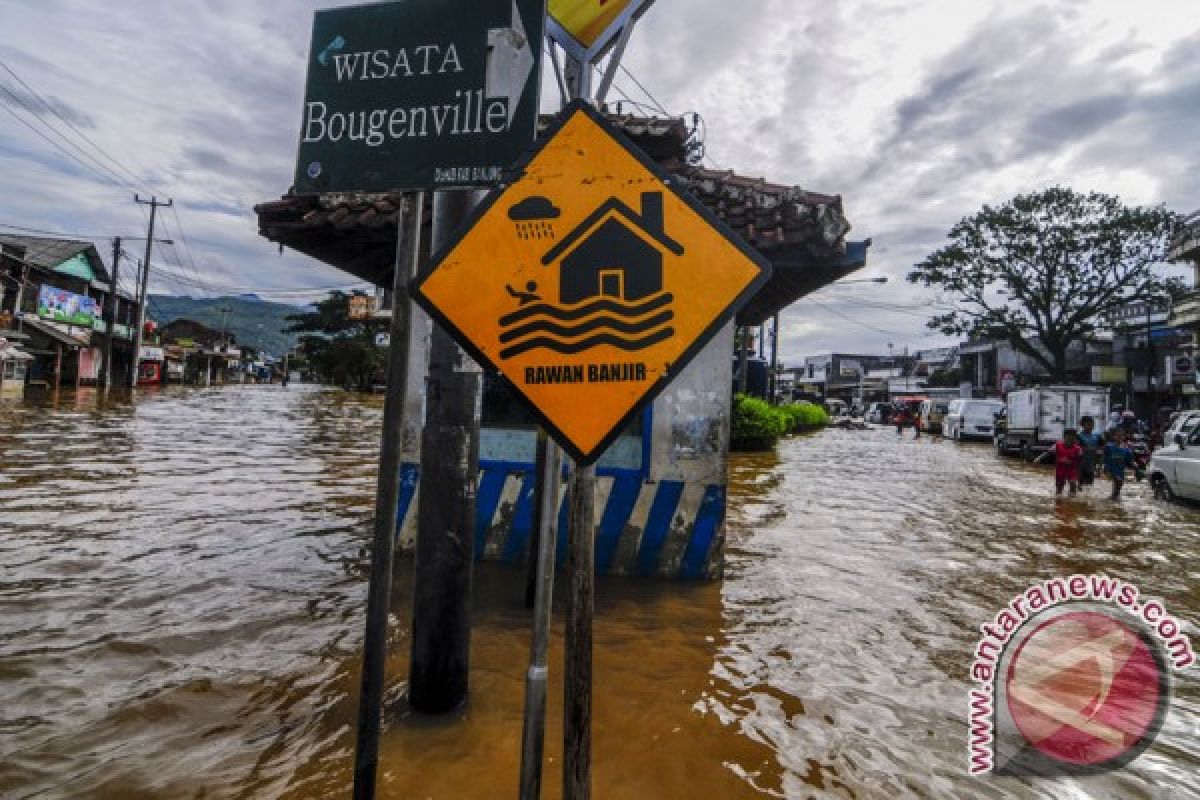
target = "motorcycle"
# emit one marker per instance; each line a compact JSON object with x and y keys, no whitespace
{"x":1140,"y":445}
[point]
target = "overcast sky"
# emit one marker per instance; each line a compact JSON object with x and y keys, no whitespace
{"x":915,"y":112}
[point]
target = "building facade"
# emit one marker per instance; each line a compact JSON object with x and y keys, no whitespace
{"x":57,"y":300}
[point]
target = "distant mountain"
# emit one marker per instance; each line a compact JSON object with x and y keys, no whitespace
{"x":252,"y":320}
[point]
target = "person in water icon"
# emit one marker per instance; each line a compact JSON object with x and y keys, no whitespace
{"x":530,"y":294}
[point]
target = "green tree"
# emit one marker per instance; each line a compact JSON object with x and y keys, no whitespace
{"x":338,"y":349}
{"x":1045,"y":269}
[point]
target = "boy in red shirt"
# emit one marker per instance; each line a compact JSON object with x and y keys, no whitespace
{"x":1068,"y":456}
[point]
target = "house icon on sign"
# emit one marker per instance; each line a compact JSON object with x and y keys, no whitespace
{"x":614,"y":253}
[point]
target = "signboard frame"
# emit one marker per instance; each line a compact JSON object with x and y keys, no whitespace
{"x":399,"y":168}
{"x":585,"y":54}
{"x":699,"y":342}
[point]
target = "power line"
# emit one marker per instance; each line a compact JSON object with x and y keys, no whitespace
{"x":59,"y":147}
{"x":848,"y":318}
{"x":645,"y":91}
{"x":68,"y":123}
{"x":163,"y":271}
{"x":60,"y":234}
{"x":108,"y":175}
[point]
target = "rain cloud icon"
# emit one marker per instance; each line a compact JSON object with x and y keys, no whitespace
{"x":531,"y":215}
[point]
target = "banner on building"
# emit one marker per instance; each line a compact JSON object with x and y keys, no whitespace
{"x":361,"y":306}
{"x":1109,"y":374}
{"x":149,"y":353}
{"x":59,"y":305}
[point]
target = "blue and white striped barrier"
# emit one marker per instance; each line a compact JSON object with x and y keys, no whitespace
{"x":668,"y":529}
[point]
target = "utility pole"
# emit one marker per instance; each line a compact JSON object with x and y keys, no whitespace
{"x":154,"y":203}
{"x":110,"y":314}
{"x":744,"y":360}
{"x":774,"y":357}
{"x":224,"y":330}
{"x":445,"y":549}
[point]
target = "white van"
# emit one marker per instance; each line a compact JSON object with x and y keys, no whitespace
{"x":967,"y":419}
{"x":1174,"y":470}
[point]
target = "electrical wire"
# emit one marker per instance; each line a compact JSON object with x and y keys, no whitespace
{"x":160,"y":269}
{"x":49,"y":107}
{"x":850,"y":319}
{"x":106,"y":173}
{"x":60,"y":234}
{"x":59,"y":148}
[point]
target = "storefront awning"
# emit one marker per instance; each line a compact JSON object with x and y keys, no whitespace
{"x":54,"y":332}
{"x":10,"y":352}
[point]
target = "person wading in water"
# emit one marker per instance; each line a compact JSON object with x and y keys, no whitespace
{"x":1092,"y":444}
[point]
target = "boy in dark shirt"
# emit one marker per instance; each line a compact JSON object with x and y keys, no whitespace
{"x":1092,"y":444}
{"x":1116,"y":458}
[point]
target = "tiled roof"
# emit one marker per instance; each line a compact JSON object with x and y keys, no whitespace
{"x":800,"y":231}
{"x":47,"y":253}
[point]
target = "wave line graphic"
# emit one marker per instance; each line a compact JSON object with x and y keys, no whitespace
{"x":591,"y":324}
{"x":588,"y":343}
{"x":587,"y":309}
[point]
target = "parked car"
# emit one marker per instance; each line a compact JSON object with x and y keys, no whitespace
{"x":879,"y":413}
{"x":1174,"y":470}
{"x":1182,"y":422}
{"x":967,"y":419}
{"x":932,"y":413}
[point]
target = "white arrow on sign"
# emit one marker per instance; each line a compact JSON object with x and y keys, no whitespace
{"x":509,"y":62}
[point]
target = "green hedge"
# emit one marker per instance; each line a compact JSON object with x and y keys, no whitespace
{"x":805,"y":416}
{"x":758,"y":425}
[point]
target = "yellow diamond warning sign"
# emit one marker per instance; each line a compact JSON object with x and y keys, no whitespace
{"x":589,"y":282}
{"x":586,"y":20}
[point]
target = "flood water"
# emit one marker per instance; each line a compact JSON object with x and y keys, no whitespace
{"x":183,"y":581}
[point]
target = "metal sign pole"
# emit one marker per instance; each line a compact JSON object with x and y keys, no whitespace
{"x":577,"y":672}
{"x":577,"y":700}
{"x":533,"y":734}
{"x":366,"y":751}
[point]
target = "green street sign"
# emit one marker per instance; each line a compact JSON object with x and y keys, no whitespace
{"x":419,"y":94}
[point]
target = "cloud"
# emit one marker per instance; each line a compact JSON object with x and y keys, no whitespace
{"x":41,"y":105}
{"x":915,"y":113}
{"x":532,"y":208}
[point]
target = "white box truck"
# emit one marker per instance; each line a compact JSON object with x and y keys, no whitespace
{"x":1037,"y":417}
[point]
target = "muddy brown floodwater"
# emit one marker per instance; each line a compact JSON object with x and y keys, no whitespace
{"x":183,"y":578}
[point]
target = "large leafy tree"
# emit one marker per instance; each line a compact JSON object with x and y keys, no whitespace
{"x":1044,"y":269}
{"x":340,"y":350}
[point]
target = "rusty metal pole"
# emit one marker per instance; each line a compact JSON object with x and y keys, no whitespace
{"x":533,"y":734}
{"x":577,"y":703}
{"x":539,"y":489}
{"x":577,"y":689}
{"x":387,"y":491}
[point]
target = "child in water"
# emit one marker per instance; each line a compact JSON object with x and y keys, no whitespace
{"x":1067,"y":457}
{"x":1092,"y":444}
{"x":1116,"y":458}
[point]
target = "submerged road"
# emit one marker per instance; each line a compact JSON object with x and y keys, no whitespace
{"x":183,"y":580}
